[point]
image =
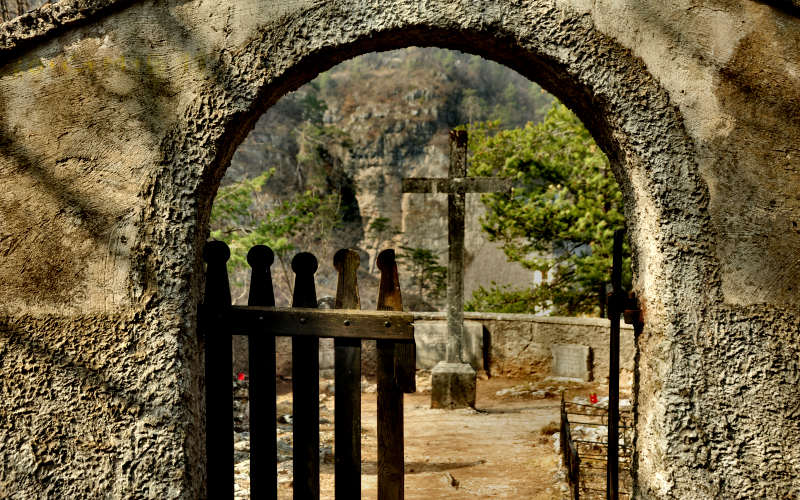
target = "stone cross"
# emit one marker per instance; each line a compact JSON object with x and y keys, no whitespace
{"x":456,"y":186}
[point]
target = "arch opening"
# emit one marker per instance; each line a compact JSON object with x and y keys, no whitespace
{"x":262,"y":129}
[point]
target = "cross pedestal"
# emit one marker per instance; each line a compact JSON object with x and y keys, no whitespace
{"x":453,"y":381}
{"x":452,"y":385}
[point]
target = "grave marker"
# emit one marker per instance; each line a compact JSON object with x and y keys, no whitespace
{"x":453,"y":381}
{"x":572,"y":361}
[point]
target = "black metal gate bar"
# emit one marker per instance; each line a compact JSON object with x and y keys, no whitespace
{"x":615,"y":306}
{"x":347,"y":381}
{"x":305,"y":387}
{"x":219,"y":367}
{"x":261,"y":361}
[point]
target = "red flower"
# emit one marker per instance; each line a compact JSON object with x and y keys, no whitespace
{"x":240,"y":377}
{"x":592,"y":398}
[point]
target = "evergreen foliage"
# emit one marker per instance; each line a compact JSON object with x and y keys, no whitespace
{"x":559,"y":218}
{"x":508,"y":300}
{"x":427,"y":276}
{"x":380,"y":230}
{"x":243,"y":217}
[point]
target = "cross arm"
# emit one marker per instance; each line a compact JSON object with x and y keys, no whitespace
{"x":456,"y":185}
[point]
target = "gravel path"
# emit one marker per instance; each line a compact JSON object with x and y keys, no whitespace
{"x":497,"y":451}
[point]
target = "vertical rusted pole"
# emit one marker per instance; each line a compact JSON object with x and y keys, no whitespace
{"x":615,"y":305}
{"x":347,"y":398}
{"x":219,"y":367}
{"x":305,"y":386}
{"x":261,"y":350}
{"x":390,"y":396}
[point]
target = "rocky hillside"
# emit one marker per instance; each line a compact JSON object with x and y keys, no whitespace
{"x":357,"y":130}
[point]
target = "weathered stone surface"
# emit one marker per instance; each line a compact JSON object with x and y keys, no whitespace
{"x":452,"y":386}
{"x":431,"y":340}
{"x":518,"y":345}
{"x":117,"y":120}
{"x":326,"y":358}
{"x":572,"y":361}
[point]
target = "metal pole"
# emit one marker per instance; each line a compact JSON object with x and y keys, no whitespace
{"x":614,"y":310}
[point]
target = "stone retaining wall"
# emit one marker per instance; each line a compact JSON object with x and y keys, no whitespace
{"x":519,"y":344}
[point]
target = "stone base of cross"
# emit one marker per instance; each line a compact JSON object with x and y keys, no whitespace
{"x":453,"y":381}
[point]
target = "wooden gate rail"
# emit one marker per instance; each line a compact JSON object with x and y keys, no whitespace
{"x":396,"y":375}
{"x":347,"y":325}
{"x":219,"y":367}
{"x":323,"y":323}
{"x":305,"y":387}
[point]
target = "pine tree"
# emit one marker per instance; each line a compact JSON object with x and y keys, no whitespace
{"x":561,"y":215}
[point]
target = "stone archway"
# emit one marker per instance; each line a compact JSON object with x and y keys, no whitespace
{"x":118,"y":120}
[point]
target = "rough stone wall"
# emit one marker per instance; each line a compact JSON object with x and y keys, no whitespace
{"x":521,"y":345}
{"x":518,"y":345}
{"x":117,"y":120}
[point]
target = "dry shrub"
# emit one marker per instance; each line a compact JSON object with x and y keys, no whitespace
{"x":550,"y":429}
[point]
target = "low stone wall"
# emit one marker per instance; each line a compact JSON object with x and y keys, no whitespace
{"x":514,"y":345}
{"x":519,"y":344}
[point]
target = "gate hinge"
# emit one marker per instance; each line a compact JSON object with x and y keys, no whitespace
{"x":631,"y":311}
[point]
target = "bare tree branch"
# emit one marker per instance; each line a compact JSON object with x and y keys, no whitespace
{"x":4,"y":14}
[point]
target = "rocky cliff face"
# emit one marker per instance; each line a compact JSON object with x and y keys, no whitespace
{"x":394,"y":111}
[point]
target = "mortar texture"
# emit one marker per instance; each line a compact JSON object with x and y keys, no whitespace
{"x":118,"y":119}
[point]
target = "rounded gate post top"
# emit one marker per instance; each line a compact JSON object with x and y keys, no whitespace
{"x":260,"y":257}
{"x":216,"y":252}
{"x":386,"y":259}
{"x":343,"y":255}
{"x":304,"y":262}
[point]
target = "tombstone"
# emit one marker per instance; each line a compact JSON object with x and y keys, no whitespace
{"x":572,"y":361}
{"x":326,"y":353}
{"x":326,"y":359}
{"x":431,"y":339}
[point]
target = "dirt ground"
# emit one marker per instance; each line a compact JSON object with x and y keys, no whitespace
{"x":497,"y":450}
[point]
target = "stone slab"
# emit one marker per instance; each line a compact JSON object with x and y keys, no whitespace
{"x":431,"y":340}
{"x":453,"y":386}
{"x":326,"y":358}
{"x":572,"y":361}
